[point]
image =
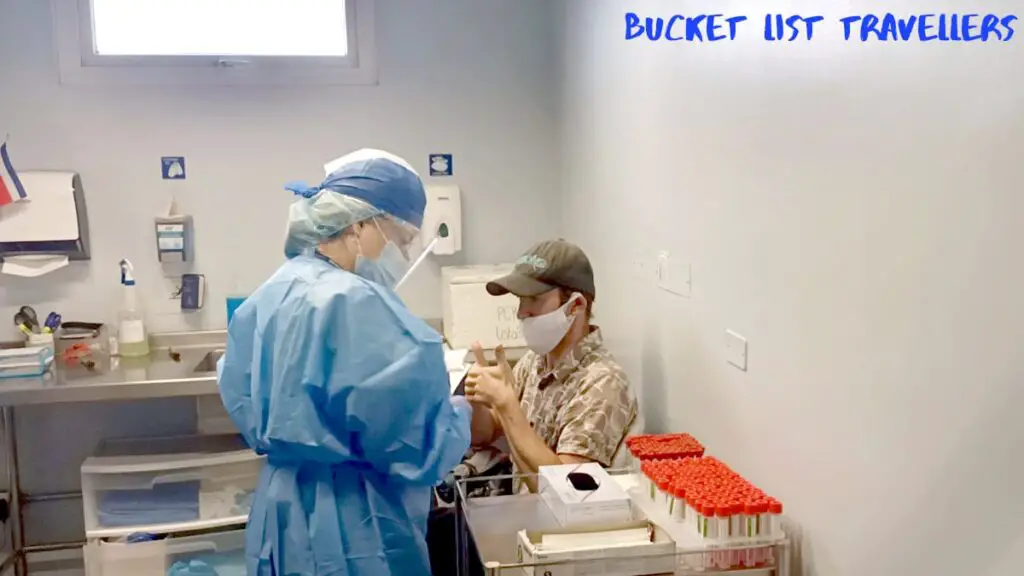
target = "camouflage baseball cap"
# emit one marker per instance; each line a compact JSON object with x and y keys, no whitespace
{"x":548,"y":265}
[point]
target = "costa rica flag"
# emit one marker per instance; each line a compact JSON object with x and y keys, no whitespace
{"x":11,"y":189}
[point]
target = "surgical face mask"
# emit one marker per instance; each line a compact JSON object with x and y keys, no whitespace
{"x":387,"y":269}
{"x":543,"y":333}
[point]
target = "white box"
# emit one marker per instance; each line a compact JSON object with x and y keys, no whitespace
{"x":471,"y":315}
{"x":606,"y":504}
{"x":657,"y":557}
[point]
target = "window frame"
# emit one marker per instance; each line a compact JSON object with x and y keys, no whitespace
{"x":79,"y":64}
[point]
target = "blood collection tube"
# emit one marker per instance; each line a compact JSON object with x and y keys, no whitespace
{"x":698,"y":516}
{"x":775,"y":527}
{"x":679,"y":503}
{"x":750,"y":513}
{"x":722,"y":531}
{"x":664,"y":494}
{"x":775,"y":518}
{"x":723,"y":520}
{"x":710,"y":527}
{"x":763,"y":520}
{"x":707,"y":512}
{"x":736,"y":520}
{"x":653,"y":473}
{"x":735,"y":532}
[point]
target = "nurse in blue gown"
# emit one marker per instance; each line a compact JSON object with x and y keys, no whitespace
{"x":343,"y":389}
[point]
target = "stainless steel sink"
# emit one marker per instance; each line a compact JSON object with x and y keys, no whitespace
{"x":209,"y":362}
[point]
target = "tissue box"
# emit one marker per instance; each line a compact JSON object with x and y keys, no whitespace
{"x":598,"y":551}
{"x":583,"y":494}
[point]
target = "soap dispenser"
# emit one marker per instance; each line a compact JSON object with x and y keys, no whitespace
{"x":132,"y":339}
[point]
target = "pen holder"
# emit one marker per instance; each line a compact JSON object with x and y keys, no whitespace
{"x":44,"y":340}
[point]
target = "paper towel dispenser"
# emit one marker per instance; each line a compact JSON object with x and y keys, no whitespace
{"x":51,"y":222}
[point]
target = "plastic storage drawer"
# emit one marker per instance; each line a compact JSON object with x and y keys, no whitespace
{"x":222,"y":552}
{"x":165,"y":485}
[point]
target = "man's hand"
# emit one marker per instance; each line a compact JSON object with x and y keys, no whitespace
{"x":490,"y":385}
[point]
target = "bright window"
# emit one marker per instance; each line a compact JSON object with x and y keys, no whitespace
{"x":286,"y":42}
{"x":220,"y":28}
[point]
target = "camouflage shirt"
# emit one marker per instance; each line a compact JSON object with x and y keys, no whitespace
{"x":583,"y":405}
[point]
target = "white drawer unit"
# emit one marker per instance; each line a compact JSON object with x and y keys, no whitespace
{"x":222,"y":552}
{"x":168,"y":485}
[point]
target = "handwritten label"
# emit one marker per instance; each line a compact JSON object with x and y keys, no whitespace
{"x":962,"y":28}
{"x":508,"y":328}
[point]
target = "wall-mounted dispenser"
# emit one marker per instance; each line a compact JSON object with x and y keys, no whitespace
{"x":49,"y":228}
{"x":443,"y":219}
{"x":173,"y":236}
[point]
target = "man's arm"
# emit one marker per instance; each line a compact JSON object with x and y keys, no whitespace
{"x":485,"y":428}
{"x":529,"y":451}
{"x":502,"y":388}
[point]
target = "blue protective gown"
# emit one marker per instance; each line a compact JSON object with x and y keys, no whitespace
{"x":347,"y":394}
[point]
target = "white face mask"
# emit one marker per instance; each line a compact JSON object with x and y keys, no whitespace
{"x":543,"y":333}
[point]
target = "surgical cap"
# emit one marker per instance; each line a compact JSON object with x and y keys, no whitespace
{"x":358,"y":186}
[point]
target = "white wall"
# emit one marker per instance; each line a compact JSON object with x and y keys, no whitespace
{"x":469,"y":78}
{"x":853,"y":210}
{"x":461,"y":76}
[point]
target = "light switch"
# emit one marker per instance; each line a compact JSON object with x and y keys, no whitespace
{"x":736,"y":350}
{"x":673,"y":276}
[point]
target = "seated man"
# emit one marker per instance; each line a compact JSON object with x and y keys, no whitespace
{"x":567,"y":400}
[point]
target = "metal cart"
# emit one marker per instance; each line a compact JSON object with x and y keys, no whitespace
{"x":492,"y":524}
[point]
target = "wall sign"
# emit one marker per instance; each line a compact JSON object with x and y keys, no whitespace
{"x":173,"y":167}
{"x":440,"y":164}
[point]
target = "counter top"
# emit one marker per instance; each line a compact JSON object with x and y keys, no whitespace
{"x":156,"y":376}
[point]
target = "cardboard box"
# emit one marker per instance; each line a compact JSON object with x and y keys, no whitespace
{"x":583,"y":494}
{"x":653,"y":558}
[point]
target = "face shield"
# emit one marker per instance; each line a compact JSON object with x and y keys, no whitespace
{"x":410,"y":242}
